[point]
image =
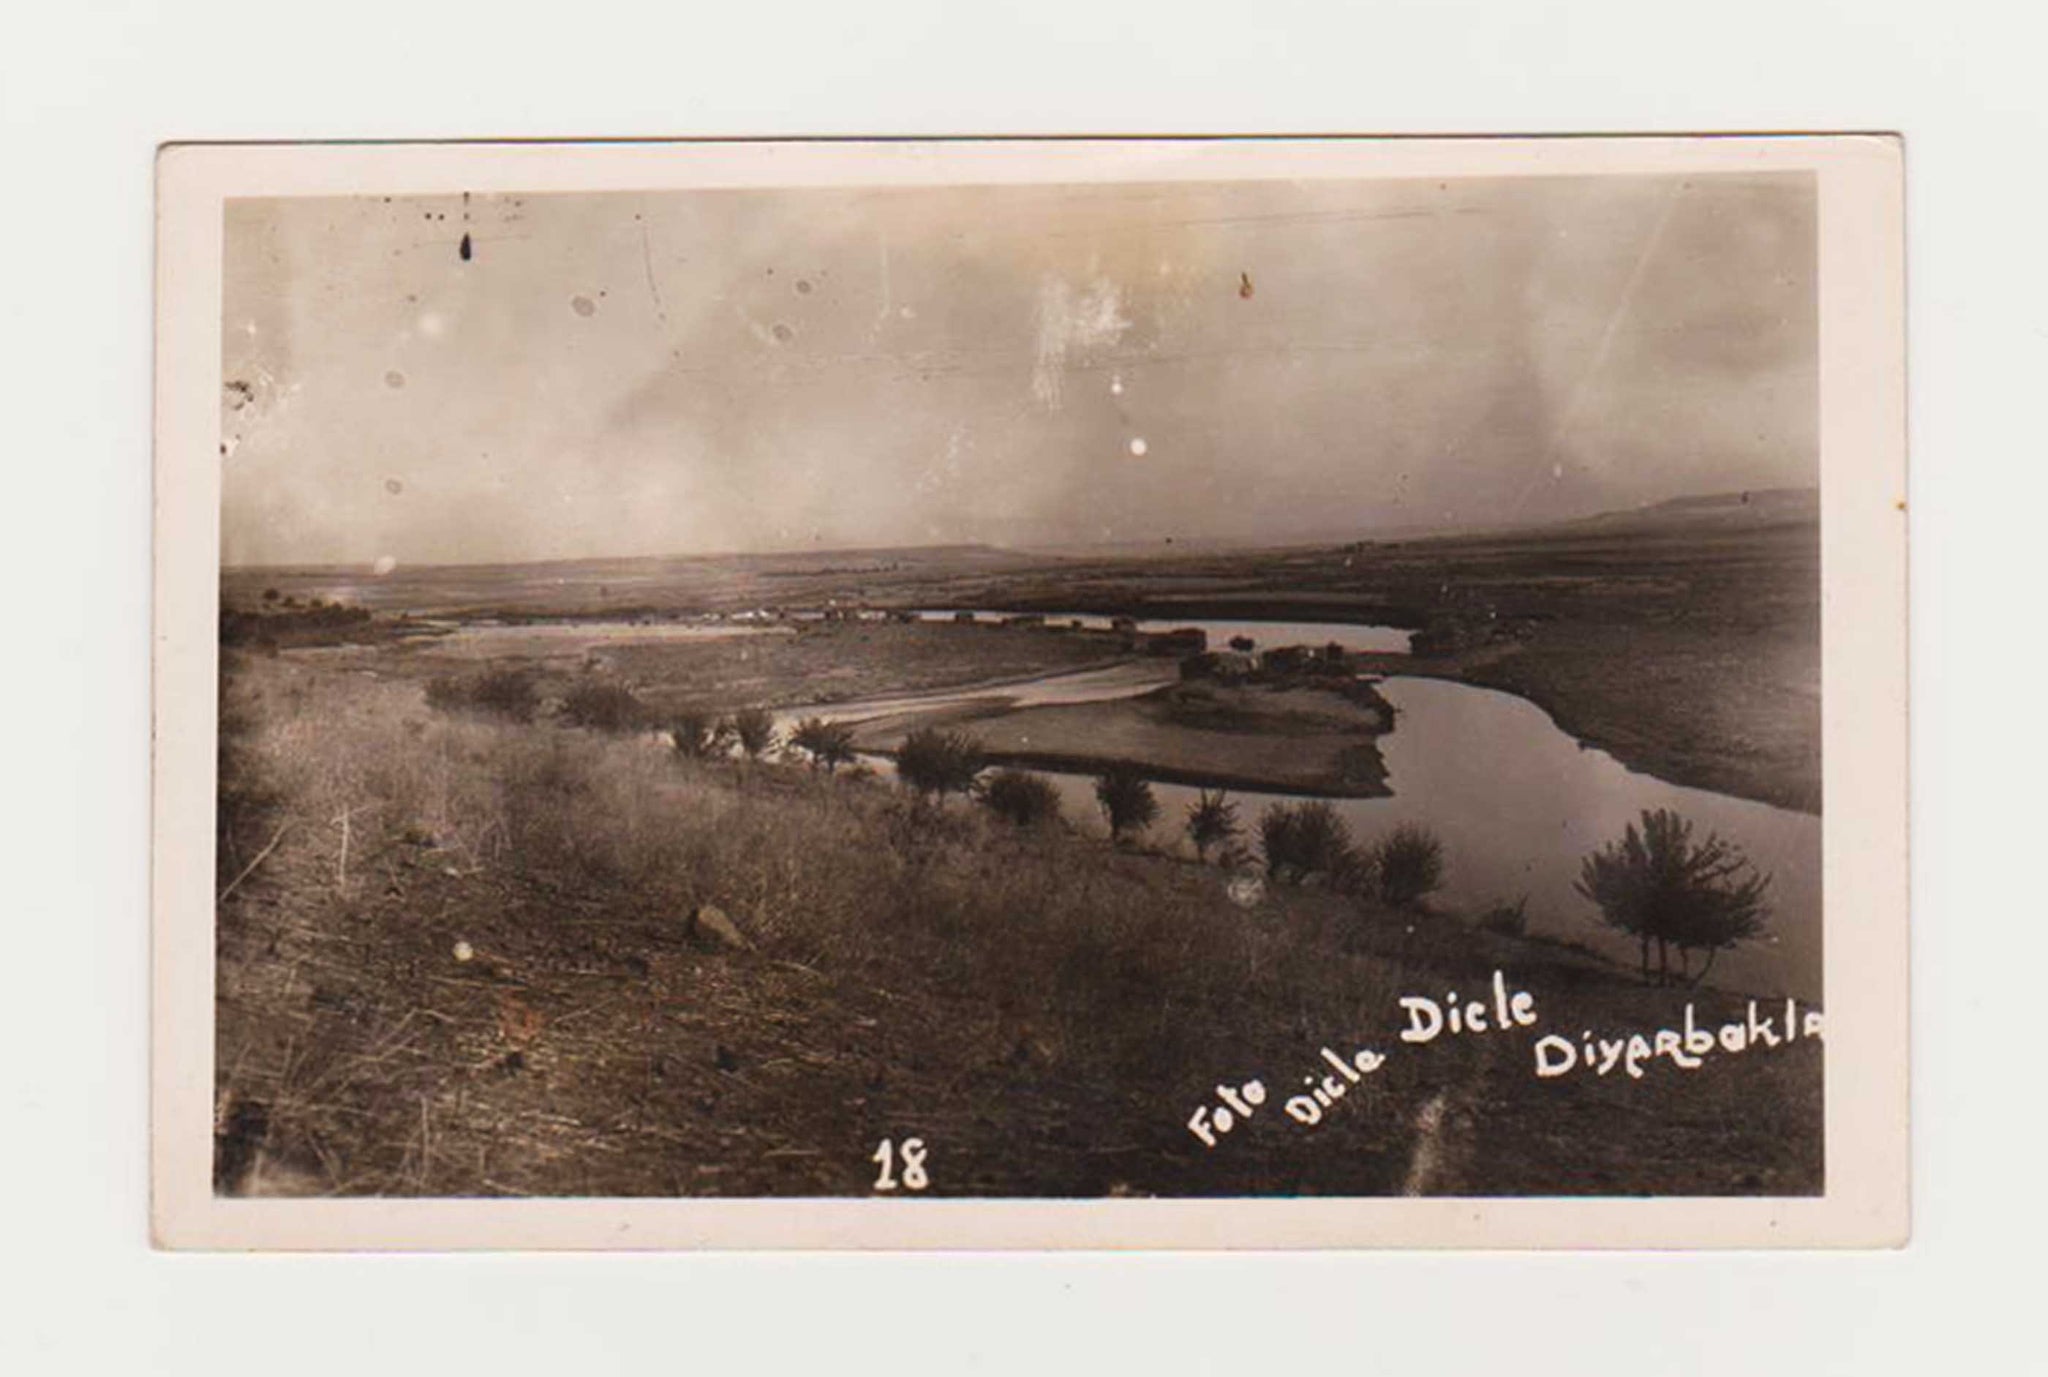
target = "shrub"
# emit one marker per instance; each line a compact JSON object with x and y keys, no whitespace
{"x":1212,"y":821}
{"x":509,"y":693}
{"x":1506,"y":919}
{"x":1021,"y":797}
{"x":1323,"y":839}
{"x":935,"y":762}
{"x":1410,"y":864}
{"x":499,"y":692}
{"x":754,"y":729}
{"x":828,"y":744}
{"x":603,"y":706}
{"x":1303,"y":839}
{"x":1659,"y":886}
{"x":1242,"y":644}
{"x":698,"y":734}
{"x":1126,"y":799}
{"x":1276,"y":838}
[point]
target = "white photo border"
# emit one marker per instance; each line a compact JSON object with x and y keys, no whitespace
{"x":1864,"y":725}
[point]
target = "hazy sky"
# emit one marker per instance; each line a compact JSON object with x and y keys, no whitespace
{"x":695,"y":372}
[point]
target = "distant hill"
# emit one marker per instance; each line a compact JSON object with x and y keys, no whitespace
{"x":1705,"y":512}
{"x":625,"y":585}
{"x":625,"y":566}
{"x":1724,"y":510}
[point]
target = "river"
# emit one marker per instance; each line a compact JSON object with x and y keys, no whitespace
{"x":1517,"y":802}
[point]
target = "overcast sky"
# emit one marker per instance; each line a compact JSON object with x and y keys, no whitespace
{"x":700,"y":372}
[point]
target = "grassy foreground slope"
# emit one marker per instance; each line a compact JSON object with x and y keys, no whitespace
{"x":1045,"y":1012}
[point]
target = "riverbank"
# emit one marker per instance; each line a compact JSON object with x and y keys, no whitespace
{"x":1757,"y":737}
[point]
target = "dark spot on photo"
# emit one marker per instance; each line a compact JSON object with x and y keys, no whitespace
{"x":783,"y":332}
{"x":394,"y":379}
{"x":583,"y":306}
{"x":464,"y":250}
{"x":393,"y":486}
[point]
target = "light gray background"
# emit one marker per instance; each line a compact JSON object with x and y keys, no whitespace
{"x":86,"y":90}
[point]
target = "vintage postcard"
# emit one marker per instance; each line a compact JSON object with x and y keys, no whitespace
{"x":1228,"y":693}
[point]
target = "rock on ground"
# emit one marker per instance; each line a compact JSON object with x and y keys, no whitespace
{"x":710,"y":926}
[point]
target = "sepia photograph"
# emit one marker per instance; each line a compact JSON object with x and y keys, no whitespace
{"x":1277,"y":671}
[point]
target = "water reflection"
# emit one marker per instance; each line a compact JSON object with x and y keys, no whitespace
{"x":1517,"y":802}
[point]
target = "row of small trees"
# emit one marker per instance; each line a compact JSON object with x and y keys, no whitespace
{"x":702,"y":735}
{"x":610,"y":707}
{"x":1656,"y":883}
{"x":1298,"y":841}
{"x":1305,"y":840}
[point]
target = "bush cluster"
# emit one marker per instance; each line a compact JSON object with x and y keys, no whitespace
{"x":1304,"y":839}
{"x":508,"y":693}
{"x":1126,"y":799}
{"x":603,"y":706}
{"x":934,"y":762}
{"x":699,"y":734}
{"x":754,"y":730}
{"x":1020,"y":797}
{"x":1409,"y":864}
{"x":828,"y":744}
{"x":1212,"y":823}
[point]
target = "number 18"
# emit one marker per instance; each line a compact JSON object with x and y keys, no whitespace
{"x":914,"y":1177}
